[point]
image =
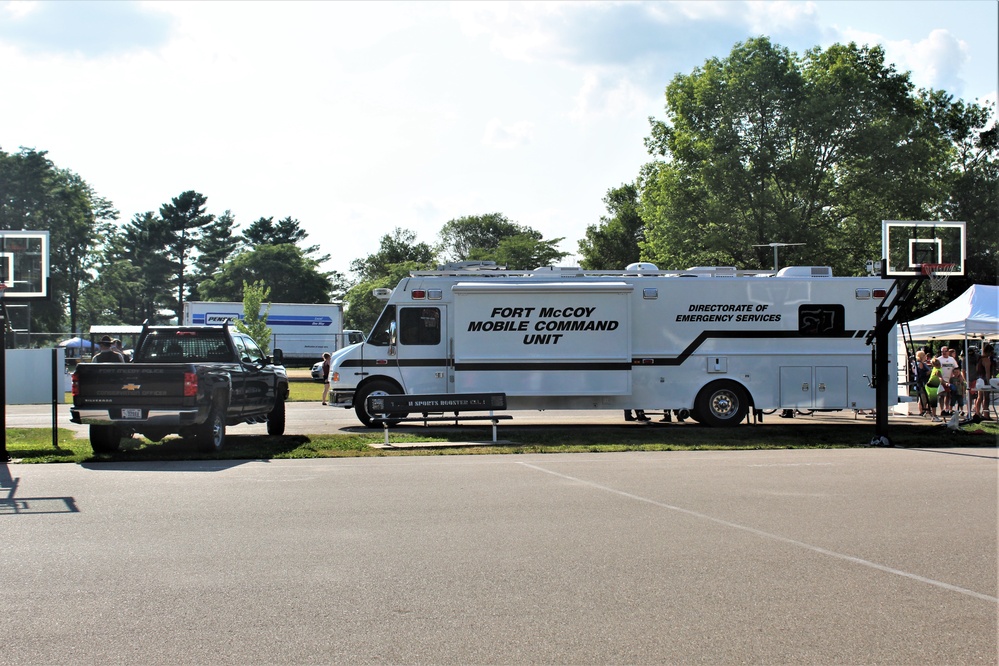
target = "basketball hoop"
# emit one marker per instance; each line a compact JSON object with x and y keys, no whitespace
{"x":938,"y":274}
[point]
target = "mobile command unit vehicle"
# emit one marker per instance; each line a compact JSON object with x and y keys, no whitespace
{"x":303,"y":331}
{"x":714,"y":341}
{"x":187,"y":380}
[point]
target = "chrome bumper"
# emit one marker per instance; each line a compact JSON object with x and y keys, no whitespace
{"x":153,"y":417}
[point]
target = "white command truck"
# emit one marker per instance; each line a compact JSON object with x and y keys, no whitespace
{"x":714,"y":341}
{"x":303,"y":331}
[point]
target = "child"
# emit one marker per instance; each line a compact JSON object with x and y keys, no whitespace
{"x":958,"y":387}
{"x":932,"y":386}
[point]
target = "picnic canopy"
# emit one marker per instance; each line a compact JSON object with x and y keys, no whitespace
{"x":973,"y":314}
{"x":76,"y":343}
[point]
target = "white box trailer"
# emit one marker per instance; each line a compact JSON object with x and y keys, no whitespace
{"x":303,"y":331}
{"x":717,"y":342}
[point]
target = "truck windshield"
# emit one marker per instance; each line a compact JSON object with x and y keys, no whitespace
{"x":183,"y":347}
{"x":380,"y":333}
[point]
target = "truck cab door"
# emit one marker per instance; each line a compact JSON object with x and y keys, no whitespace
{"x":421,"y":349}
{"x":259,"y":380}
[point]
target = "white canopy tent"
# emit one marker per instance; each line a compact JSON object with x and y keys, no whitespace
{"x":973,"y":314}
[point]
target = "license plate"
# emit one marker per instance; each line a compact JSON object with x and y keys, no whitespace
{"x":131,"y":413}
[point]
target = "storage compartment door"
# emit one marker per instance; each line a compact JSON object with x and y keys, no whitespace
{"x":830,"y":388}
{"x":796,"y":387}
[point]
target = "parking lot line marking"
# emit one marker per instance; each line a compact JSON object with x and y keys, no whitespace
{"x":772,"y":536}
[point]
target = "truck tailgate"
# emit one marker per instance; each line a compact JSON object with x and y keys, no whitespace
{"x":125,"y":384}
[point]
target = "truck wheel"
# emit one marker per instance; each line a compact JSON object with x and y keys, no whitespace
{"x":275,"y":420}
{"x":104,"y":438}
{"x":721,"y":404}
{"x":211,"y":435}
{"x":361,"y":401}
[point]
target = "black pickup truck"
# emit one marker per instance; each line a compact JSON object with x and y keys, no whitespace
{"x":187,"y":380}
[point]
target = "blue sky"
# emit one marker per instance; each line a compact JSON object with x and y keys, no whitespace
{"x":356,"y":118}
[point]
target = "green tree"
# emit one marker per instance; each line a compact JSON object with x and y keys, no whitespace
{"x":133,"y":281}
{"x":184,"y":218}
{"x":493,"y":237}
{"x":265,"y":232}
{"x":615,"y":242}
{"x":396,"y":248}
{"x":216,"y":244}
{"x":475,"y":234}
{"x":290,"y":275}
{"x":523,"y":251}
{"x":969,"y":185}
{"x":35,"y":195}
{"x":362,"y":307}
{"x":289,"y":230}
{"x":255,"y":316}
{"x":397,"y":255}
{"x":765,"y":146}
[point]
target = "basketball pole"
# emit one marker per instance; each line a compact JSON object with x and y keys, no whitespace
{"x":4,"y":456}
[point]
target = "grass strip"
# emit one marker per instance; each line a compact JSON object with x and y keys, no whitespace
{"x":34,"y":445}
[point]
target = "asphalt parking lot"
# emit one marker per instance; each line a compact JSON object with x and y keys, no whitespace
{"x":847,"y":556}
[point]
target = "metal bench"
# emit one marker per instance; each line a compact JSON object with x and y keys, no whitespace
{"x":432,"y":408}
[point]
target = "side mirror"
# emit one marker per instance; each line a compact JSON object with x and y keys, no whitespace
{"x":277,"y":357}
{"x":393,"y":333}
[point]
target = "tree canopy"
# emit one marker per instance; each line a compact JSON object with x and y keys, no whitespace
{"x":763,"y":145}
{"x":289,"y":275}
{"x":766,"y":146}
{"x":615,"y":242}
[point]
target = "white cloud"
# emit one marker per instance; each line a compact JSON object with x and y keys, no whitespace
{"x":936,"y":61}
{"x":360,"y":117}
{"x":767,"y":18}
{"x":507,"y":136}
{"x":609,"y":95}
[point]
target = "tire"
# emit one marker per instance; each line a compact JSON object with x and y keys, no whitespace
{"x":276,"y":420}
{"x":722,"y":404}
{"x":105,"y":438}
{"x":377,"y":387}
{"x":211,"y":435}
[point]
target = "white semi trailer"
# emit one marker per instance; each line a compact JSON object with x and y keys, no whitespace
{"x":302,"y":331}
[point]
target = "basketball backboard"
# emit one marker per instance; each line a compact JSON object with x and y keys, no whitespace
{"x":24,"y":265}
{"x":907,"y":246}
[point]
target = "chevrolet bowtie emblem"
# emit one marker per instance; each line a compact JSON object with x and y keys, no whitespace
{"x":131,"y":387}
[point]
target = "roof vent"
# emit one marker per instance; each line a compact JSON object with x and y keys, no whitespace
{"x":805,"y":271}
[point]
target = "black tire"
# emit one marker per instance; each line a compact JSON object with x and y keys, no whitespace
{"x":722,"y":404}
{"x":105,"y":438}
{"x":275,"y":420}
{"x":377,"y":387}
{"x":211,"y":434}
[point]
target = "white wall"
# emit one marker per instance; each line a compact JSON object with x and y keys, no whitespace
{"x":29,"y":376}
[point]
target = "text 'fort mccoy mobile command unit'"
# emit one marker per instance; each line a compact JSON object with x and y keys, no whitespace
{"x":714,"y":341}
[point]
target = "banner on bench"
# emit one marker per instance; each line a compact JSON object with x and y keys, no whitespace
{"x":443,"y":402}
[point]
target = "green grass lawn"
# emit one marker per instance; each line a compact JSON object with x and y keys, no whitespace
{"x":35,"y":445}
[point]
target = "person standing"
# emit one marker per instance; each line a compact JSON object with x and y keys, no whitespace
{"x":920,"y":373}
{"x":947,"y":366}
{"x":326,"y":376}
{"x":958,"y":387}
{"x":932,"y":388}
{"x":985,"y":370}
{"x":107,"y":354}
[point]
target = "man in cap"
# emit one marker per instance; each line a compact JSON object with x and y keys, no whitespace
{"x":106,"y":354}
